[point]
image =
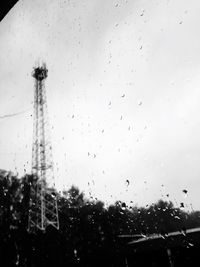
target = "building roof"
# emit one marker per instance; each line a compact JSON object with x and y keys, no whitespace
{"x":182,"y":238}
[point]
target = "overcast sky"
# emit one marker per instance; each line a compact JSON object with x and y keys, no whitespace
{"x":123,"y":94}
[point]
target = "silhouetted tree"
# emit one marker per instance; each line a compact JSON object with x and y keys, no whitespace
{"x":89,"y":232}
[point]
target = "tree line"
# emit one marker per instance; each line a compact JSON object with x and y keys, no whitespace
{"x":89,"y":233}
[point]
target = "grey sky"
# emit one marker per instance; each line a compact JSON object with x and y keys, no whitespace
{"x":123,"y":94}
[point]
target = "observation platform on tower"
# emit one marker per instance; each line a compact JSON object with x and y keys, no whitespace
{"x":40,"y":73}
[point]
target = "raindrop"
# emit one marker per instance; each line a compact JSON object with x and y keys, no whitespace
{"x":124,"y":205}
{"x":143,"y":235}
{"x":140,"y":103}
{"x":127,"y":182}
{"x":183,"y":231}
{"x":185,"y":191}
{"x":123,"y":95}
{"x":163,"y":236}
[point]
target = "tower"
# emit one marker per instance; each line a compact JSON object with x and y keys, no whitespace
{"x":43,"y":209}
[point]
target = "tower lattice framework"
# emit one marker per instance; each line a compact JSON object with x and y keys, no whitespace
{"x":43,"y":200}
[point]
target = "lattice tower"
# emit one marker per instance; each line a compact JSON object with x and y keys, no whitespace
{"x":43,"y":209}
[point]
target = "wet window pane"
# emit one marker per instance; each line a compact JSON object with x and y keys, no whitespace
{"x":99,"y":140}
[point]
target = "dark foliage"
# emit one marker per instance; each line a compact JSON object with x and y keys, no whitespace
{"x":89,"y":232}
